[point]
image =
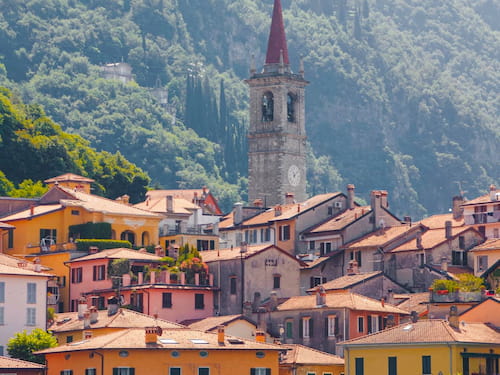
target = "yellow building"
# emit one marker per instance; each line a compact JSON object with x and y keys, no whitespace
{"x":151,"y":350}
{"x":44,"y":229}
{"x":426,"y":347}
{"x":301,"y":360}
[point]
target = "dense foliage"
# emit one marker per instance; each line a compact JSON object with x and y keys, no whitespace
{"x":24,"y":344}
{"x":403,"y":95}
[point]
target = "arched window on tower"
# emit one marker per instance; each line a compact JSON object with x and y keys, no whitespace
{"x":268,"y":107}
{"x":290,"y":107}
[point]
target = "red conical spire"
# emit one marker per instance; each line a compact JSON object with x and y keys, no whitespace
{"x":277,"y":38}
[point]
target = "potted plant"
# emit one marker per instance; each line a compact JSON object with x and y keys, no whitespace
{"x":470,"y":287}
{"x":443,"y":290}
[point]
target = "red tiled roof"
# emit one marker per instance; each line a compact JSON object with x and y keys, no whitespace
{"x":413,"y":301}
{"x":212,"y":322}
{"x":37,"y":211}
{"x":430,"y":239}
{"x":69,"y":177}
{"x":119,"y":253}
{"x":231,"y":254}
{"x":10,"y":270}
{"x":159,"y":205}
{"x":480,"y":200}
{"x":430,"y":331}
{"x":13,"y":363}
{"x":379,"y":237}
{"x":303,"y":355}
{"x":340,"y":221}
{"x":491,"y":244}
{"x":439,"y":221}
{"x":348,"y":281}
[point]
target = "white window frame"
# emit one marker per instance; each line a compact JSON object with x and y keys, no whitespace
{"x":31,"y":293}
{"x":121,"y":370}
{"x":331,"y":325}
{"x":30,"y":316}
{"x":91,"y":371}
{"x":305,"y":327}
{"x":375,"y":327}
{"x":260,"y":370}
{"x":66,"y":372}
{"x":362,"y":318}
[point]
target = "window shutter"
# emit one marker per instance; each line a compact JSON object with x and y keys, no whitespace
{"x":301,"y":328}
{"x":131,"y":371}
{"x":311,"y":327}
{"x":115,"y":371}
{"x":312,"y":281}
{"x":381,"y":323}
{"x":268,"y":371}
{"x":337,"y":326}
{"x":369,"y":318}
{"x":252,"y":371}
{"x":323,"y":280}
{"x":95,"y":273}
{"x":326,"y":327}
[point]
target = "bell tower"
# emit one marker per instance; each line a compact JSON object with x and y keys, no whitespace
{"x":277,"y":136}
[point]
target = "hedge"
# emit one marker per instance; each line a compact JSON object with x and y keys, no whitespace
{"x":84,"y":245}
{"x":91,"y":230}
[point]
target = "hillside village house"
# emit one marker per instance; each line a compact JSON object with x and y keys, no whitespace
{"x":146,"y":289}
{"x":189,"y":217}
{"x":483,"y":213}
{"x":43,"y":229}
{"x":323,"y":320}
{"x":426,"y":347}
{"x":279,"y":225}
{"x":484,"y":312}
{"x":245,"y":275}
{"x":172,"y":351}
{"x":90,"y":322}
{"x":6,"y":236}
{"x":485,"y":256}
{"x":23,"y":298}
{"x":19,"y":367}
{"x":301,"y":360}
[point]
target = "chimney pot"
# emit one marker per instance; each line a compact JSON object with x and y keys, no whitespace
{"x":493,"y":192}
{"x":448,"y":229}
{"x":152,"y":334}
{"x":220,"y":335}
{"x":260,"y":336}
{"x":289,"y":198}
{"x":350,"y":196}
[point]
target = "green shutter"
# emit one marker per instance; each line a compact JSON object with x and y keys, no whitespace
{"x":115,"y":371}
{"x":311,"y":327}
{"x":359,"y":366}
{"x":252,"y":371}
{"x":131,"y":371}
{"x":301,"y":328}
{"x":393,"y":366}
{"x":268,"y":371}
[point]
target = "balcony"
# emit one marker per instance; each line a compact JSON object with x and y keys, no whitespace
{"x":175,"y":230}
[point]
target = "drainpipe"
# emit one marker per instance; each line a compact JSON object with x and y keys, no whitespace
{"x":346,"y":360}
{"x":451,"y":358}
{"x":149,"y":298}
{"x":68,"y":285}
{"x":102,"y":360}
{"x":345,"y":338}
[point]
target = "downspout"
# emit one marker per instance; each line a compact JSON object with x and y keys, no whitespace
{"x":102,"y":361}
{"x":68,"y":283}
{"x":345,"y":338}
{"x":346,"y":360}
{"x":451,"y":359}
{"x":149,"y":297}
{"x":218,"y":286}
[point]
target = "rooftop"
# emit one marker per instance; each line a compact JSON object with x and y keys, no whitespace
{"x":18,"y":271}
{"x":234,"y":253}
{"x":119,"y":253}
{"x":348,"y":281}
{"x":380,"y":237}
{"x":303,"y":355}
{"x":431,"y":331}
{"x":69,"y":177}
{"x":439,"y":221}
{"x":491,"y":244}
{"x":13,"y":363}
{"x":213,"y":322}
{"x":339,"y":221}
{"x":431,"y":239}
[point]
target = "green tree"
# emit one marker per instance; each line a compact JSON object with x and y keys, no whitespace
{"x":28,"y":189}
{"x":23,"y":344}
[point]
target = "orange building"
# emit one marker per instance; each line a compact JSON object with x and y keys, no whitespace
{"x":164,"y":351}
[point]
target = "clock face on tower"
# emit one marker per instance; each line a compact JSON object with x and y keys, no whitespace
{"x":294,"y":175}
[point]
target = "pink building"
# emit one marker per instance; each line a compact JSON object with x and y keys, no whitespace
{"x":141,"y":285}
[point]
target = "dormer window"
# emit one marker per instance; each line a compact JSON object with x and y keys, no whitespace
{"x":290,"y":107}
{"x":268,"y":107}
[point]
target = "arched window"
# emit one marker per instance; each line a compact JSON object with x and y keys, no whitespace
{"x":290,"y":107}
{"x":145,"y":239}
{"x":129,"y":236}
{"x":268,"y":107}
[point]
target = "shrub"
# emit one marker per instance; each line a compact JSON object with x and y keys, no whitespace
{"x":83,"y":245}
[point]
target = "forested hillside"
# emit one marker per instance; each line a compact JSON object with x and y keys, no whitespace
{"x":403,"y":94}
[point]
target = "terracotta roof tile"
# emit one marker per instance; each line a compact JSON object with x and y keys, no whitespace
{"x":12,"y":261}
{"x":348,"y":281}
{"x":119,"y":253}
{"x":430,"y":331}
{"x":13,"y":363}
{"x":213,"y":322}
{"x":12,"y":270}
{"x":380,"y":237}
{"x":340,"y":221}
{"x":303,"y":355}
{"x":430,"y":239}
{"x":413,"y":302}
{"x":159,"y":205}
{"x":37,"y":211}
{"x":124,"y":318}
{"x":228,"y":254}
{"x":6,"y":226}
{"x":491,"y":244}
{"x":439,"y":221}
{"x":69,"y":177}
{"x":134,"y":338}
{"x":479,"y":200}
{"x":351,"y":301}
{"x":187,"y":194}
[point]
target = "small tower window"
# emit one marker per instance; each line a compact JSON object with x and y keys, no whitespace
{"x":290,"y":107}
{"x":268,"y":107}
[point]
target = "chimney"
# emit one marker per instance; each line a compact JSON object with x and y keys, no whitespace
{"x":407,"y":220}
{"x":256,"y":301}
{"x":195,"y":197}
{"x":170,"y":203}
{"x":350,"y":196}
{"x":238,"y":213}
{"x":152,"y":334}
{"x":277,"y":210}
{"x":493,"y":193}
{"x":383,"y":199}
{"x":125,"y":199}
{"x":258,"y":203}
{"x":87,"y":335}
{"x":220,"y":335}
{"x":112,"y":305}
{"x":32,"y":210}
{"x":447,"y":229}
{"x":82,"y":307}
{"x":159,"y":252}
{"x":458,"y":211}
{"x":93,"y":249}
{"x":205,"y":192}
{"x":260,"y":336}
{"x":94,"y":315}
{"x":453,"y":317}
{"x":320,"y":296}
{"x":273,"y":301}
{"x":382,"y":301}
{"x":289,"y":198}
{"x":375,"y":206}
{"x":86,"y":319}
{"x":37,"y":266}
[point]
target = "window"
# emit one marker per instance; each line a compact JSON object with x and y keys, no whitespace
{"x":461,"y":242}
{"x":358,"y":258}
{"x":76,"y":275}
{"x":265,"y":235}
{"x":361,"y":324}
{"x":260,"y":371}
{"x":174,"y":371}
{"x":166,"y":300}
{"x":426,"y":365}
{"x":203,"y":371}
{"x":373,"y":323}
{"x":482,"y":263}
{"x":199,"y":301}
{"x":31,"y":293}
{"x":458,"y":258}
{"x":276,"y":281}
{"x":49,"y":235}
{"x":123,"y":371}
{"x":421,"y":259}
{"x":2,"y":322}
{"x":66,"y":372}
{"x":311,"y":245}
{"x":317,"y":280}
{"x":307,"y":327}
{"x":75,"y":212}
{"x":90,"y":371}
{"x":2,"y":292}
{"x":359,"y":366}
{"x":267,"y":107}
{"x":284,"y":232}
{"x":69,"y":339}
{"x":61,"y":281}
{"x":496,"y":233}
{"x":232,"y":285}
{"x":30,"y":316}
{"x":98,"y":302}
{"x":393,"y":366}
{"x":290,"y":107}
{"x":332,"y":325}
{"x":311,"y":373}
{"x":10,"y":239}
{"x":1,"y":350}
{"x":99,"y":273}
{"x":289,"y":329}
